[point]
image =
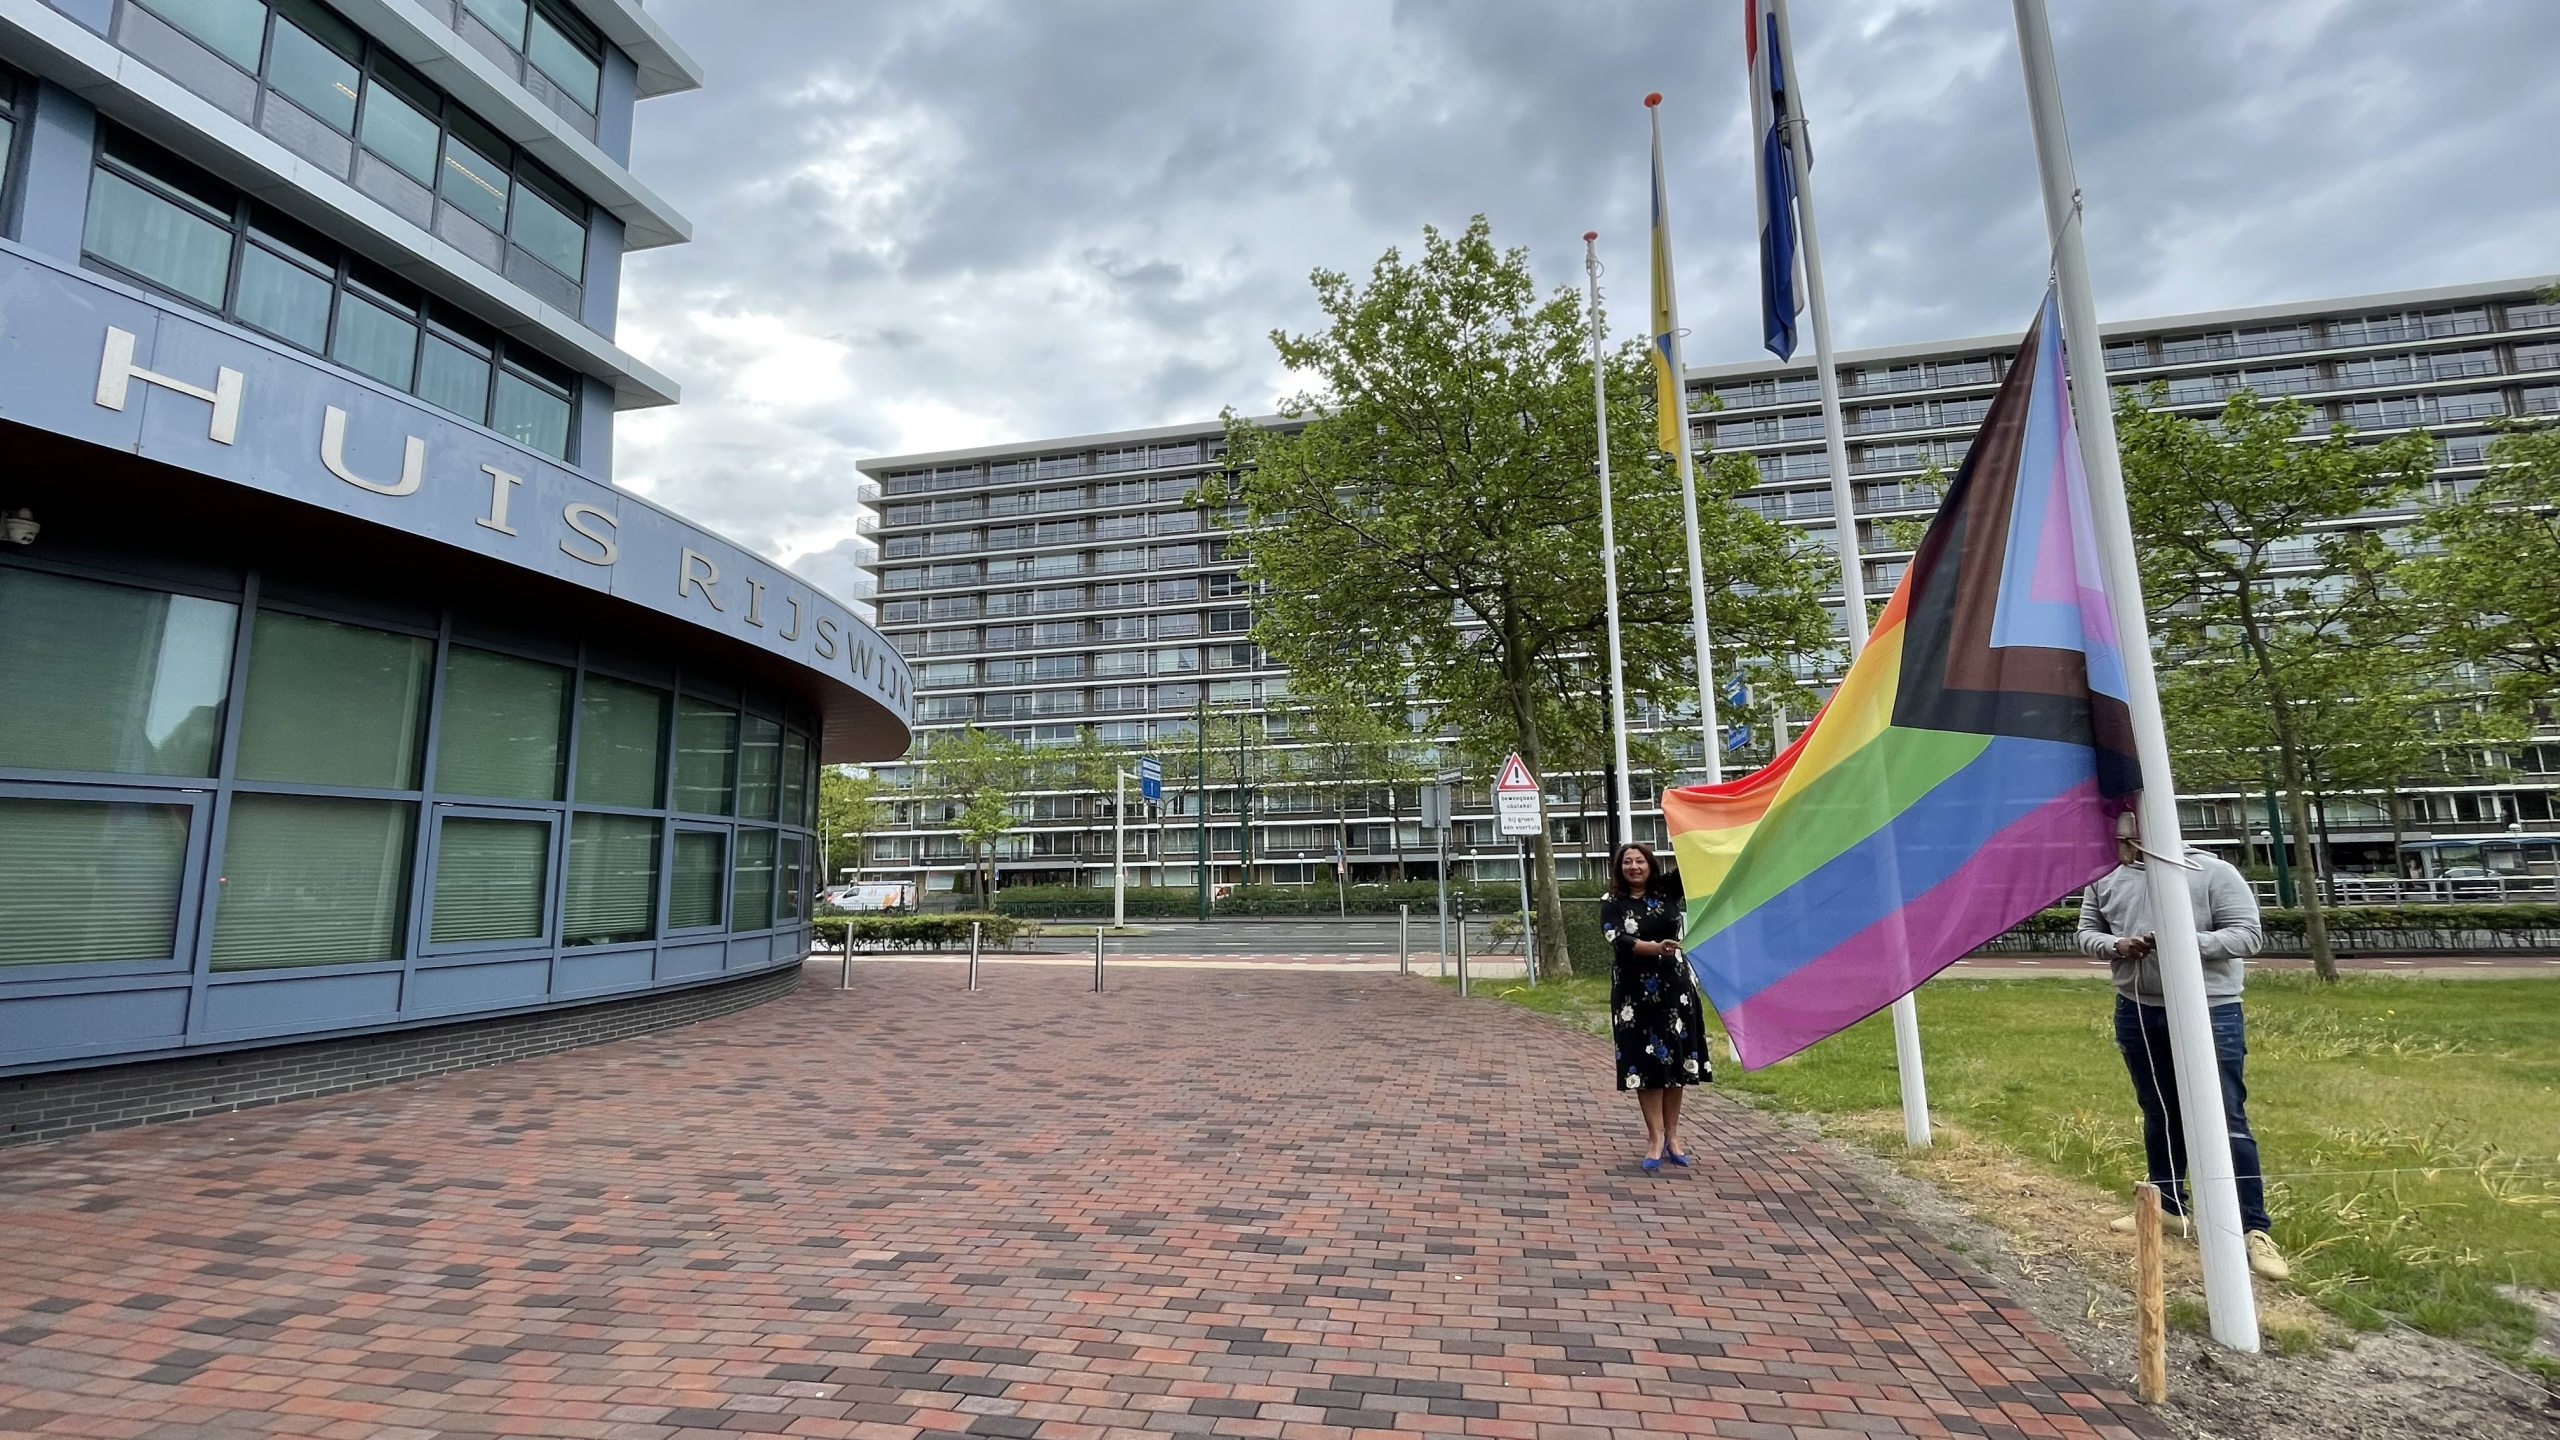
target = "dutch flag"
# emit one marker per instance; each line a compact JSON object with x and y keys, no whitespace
{"x":1779,"y":304}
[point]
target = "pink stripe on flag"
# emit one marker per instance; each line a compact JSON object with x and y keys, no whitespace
{"x":2063,"y":843}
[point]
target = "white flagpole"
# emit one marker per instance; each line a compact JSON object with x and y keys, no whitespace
{"x":2228,"y":1299}
{"x":1608,"y":534}
{"x":1688,"y":472}
{"x":1844,"y":525}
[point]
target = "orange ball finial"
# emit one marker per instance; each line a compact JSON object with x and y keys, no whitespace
{"x":1590,"y":234}
{"x":1653,"y":99}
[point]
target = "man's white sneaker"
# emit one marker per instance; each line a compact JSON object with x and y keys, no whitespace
{"x":2265,"y":1259}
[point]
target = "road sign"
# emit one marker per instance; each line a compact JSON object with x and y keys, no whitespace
{"x":1151,"y":779}
{"x":1515,"y":799}
{"x":1736,"y":738}
{"x":1435,"y":807}
{"x":1738,"y":694}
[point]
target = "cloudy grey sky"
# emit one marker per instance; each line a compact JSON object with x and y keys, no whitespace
{"x":928,"y":225}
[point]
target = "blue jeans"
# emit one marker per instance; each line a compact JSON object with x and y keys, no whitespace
{"x":2142,"y":1033}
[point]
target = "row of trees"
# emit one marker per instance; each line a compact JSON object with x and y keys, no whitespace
{"x":2319,"y":648}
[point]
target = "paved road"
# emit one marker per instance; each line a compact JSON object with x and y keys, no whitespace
{"x":1235,"y":1202}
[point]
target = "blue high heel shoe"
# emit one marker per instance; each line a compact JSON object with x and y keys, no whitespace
{"x":1676,"y":1158}
{"x":1650,"y":1164}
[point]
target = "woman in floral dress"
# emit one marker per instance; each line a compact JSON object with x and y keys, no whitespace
{"x":1653,"y":1003}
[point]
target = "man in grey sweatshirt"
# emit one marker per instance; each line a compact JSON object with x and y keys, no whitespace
{"x":2116,"y":926}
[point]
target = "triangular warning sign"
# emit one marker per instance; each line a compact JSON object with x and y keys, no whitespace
{"x":1515,"y":776}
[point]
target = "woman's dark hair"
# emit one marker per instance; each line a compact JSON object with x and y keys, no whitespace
{"x":1654,"y":880}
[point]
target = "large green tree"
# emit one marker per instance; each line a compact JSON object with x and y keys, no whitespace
{"x":2489,"y":588}
{"x":1431,"y":529}
{"x":849,"y":811}
{"x":976,"y":774}
{"x":2253,"y":573}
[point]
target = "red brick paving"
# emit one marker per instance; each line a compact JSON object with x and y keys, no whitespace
{"x":1213,"y":1201}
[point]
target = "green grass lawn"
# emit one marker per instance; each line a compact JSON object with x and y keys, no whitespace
{"x":2410,"y":1127}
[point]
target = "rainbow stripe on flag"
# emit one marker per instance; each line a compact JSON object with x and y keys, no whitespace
{"x":1967,"y":771}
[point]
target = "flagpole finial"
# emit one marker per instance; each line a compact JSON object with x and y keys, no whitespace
{"x":1653,"y":99}
{"x":1589,"y":235}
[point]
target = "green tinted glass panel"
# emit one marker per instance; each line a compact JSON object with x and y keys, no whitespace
{"x":108,"y":678}
{"x":8,"y":147}
{"x":759,"y":768}
{"x":795,"y":778}
{"x":563,"y":59}
{"x":530,"y":415}
{"x":700,"y":881}
{"x":491,"y":876}
{"x":312,"y":880}
{"x":454,"y":379}
{"x":314,"y":76}
{"x":283,"y":299}
{"x":230,"y":28}
{"x":474,"y":182}
{"x":150,"y":235}
{"x":375,"y":342}
{"x":400,"y":133}
{"x":752,"y":894}
{"x":505,"y":726}
{"x":332,"y":704}
{"x":81,"y":880}
{"x":706,"y":757}
{"x":788,"y":879}
{"x":553,"y":238}
{"x":613,"y":879}
{"x":622,"y":743}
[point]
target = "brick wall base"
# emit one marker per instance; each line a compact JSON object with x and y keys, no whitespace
{"x":64,"y":1103}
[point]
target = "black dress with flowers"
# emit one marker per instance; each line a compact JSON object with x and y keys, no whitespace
{"x":1653,"y":1003}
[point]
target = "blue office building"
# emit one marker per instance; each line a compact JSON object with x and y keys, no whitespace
{"x":341,"y":691}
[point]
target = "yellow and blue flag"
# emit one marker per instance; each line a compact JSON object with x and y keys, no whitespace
{"x":1665,"y":349}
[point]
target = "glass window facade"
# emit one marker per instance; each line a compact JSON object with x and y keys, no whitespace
{"x":492,"y":877}
{"x":86,"y":880}
{"x":560,"y":44}
{"x":306,"y":54}
{"x":334,"y":704}
{"x":313,"y":880}
{"x":506,"y":726}
{"x":706,"y":757}
{"x":111,"y":679}
{"x":156,"y":219}
{"x":329,"y":791}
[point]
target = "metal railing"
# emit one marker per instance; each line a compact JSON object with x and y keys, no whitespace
{"x":2441,"y":890}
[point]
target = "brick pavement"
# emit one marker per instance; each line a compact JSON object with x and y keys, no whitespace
{"x":1293,"y":1205}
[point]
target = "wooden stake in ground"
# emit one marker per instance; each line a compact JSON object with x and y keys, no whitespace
{"x":2150,"y":1311}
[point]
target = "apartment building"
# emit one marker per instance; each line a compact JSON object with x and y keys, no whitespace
{"x":1050,"y":587}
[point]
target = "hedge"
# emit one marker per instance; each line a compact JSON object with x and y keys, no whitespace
{"x":914,"y":932}
{"x":2369,"y":929}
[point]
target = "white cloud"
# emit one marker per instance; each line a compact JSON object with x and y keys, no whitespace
{"x":929,"y":227}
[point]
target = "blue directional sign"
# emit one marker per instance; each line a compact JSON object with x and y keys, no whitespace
{"x":1738,"y":694}
{"x":1151,"y":779}
{"x":1736,"y":738}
